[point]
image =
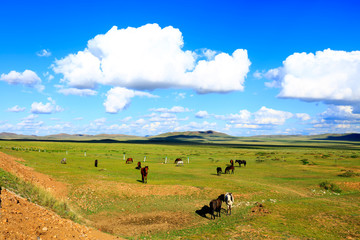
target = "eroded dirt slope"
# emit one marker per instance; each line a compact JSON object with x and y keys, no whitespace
{"x":21,"y":219}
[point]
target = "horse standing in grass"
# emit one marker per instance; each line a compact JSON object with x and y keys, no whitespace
{"x":229,"y":168}
{"x":138,"y":165}
{"x":229,"y":200}
{"x":177,"y":160}
{"x":63,"y":161}
{"x":215,"y":206}
{"x":241,"y":162}
{"x":144,"y":172}
{"x":219,"y":171}
{"x":232,"y":162}
{"x":129,"y":160}
{"x":96,"y":162}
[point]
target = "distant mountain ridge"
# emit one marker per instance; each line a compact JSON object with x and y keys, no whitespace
{"x":187,"y":136}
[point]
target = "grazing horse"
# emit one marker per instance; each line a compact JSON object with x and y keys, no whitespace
{"x":227,"y":169}
{"x":129,"y":160}
{"x":232,"y":162}
{"x":215,"y":206}
{"x":144,"y":172}
{"x":241,"y":162}
{"x":63,"y":161}
{"x":96,"y":163}
{"x":138,"y":165}
{"x":177,"y":160}
{"x":219,"y":171}
{"x":229,"y":200}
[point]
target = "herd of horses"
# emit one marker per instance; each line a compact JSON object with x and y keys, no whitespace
{"x":230,"y":168}
{"x":215,"y":204}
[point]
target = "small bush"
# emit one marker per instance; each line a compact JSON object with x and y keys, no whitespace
{"x":330,"y":186}
{"x":349,"y":173}
{"x":304,"y":161}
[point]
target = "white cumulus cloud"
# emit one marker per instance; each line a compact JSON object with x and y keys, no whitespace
{"x":27,"y":78}
{"x":271,"y":116}
{"x":202,"y":114}
{"x":329,"y":76}
{"x":119,"y":98}
{"x":151,"y":57}
{"x":47,"y":108}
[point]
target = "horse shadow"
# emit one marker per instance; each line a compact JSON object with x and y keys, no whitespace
{"x":139,"y":181}
{"x":203,"y":211}
{"x":206,"y":210}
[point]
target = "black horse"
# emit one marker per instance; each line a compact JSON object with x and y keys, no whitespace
{"x":241,"y":162}
{"x":219,"y":171}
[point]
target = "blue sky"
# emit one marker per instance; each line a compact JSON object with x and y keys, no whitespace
{"x":147,"y":67}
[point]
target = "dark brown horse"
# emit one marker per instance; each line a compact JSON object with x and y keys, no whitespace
{"x":232,"y":162}
{"x":215,"y":206}
{"x":144,"y":172}
{"x":229,"y":168}
{"x":219,"y":171}
{"x":241,"y":162}
{"x":177,"y":160}
{"x":129,"y":160}
{"x":138,"y":165}
{"x":96,"y":163}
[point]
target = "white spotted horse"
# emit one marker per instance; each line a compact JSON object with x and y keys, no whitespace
{"x":229,"y":200}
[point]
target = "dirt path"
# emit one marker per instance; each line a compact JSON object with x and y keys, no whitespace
{"x":21,"y":219}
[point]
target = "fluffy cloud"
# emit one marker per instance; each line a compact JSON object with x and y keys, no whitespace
{"x":27,"y":78}
{"x":50,"y":107}
{"x":329,"y":76}
{"x":151,"y":57}
{"x":202,"y":114}
{"x":340,"y":113}
{"x":16,"y":109}
{"x":119,"y":98}
{"x":270,"y":116}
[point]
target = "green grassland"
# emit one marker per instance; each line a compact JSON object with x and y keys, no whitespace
{"x":286,"y":175}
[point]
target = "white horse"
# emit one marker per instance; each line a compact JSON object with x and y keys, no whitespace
{"x":229,"y":200}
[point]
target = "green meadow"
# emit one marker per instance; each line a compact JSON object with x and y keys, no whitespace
{"x":308,"y":189}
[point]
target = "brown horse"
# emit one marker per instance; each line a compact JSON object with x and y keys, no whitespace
{"x":232,"y":162}
{"x":227,"y":169}
{"x":138,"y":165}
{"x":215,"y":206}
{"x":144,"y":172}
{"x":177,"y":160}
{"x":129,"y":160}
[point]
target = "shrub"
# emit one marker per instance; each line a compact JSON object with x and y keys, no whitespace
{"x":349,"y":173}
{"x":330,"y":186}
{"x":304,"y":161}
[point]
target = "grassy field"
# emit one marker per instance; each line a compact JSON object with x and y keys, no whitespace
{"x":308,"y":189}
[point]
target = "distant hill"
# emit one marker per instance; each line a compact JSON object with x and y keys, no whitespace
{"x":198,"y":136}
{"x":339,"y":137}
{"x":178,"y":137}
